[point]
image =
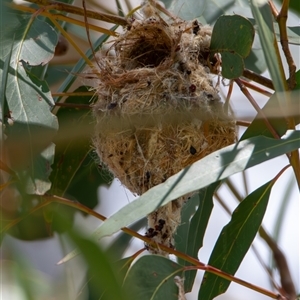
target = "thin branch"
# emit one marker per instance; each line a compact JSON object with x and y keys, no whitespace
{"x":243,"y":123}
{"x":61,"y":18}
{"x":256,"y":88}
{"x":87,"y":25}
{"x":258,"y":78}
{"x":257,"y":108}
{"x":285,"y":275}
{"x":229,"y":277}
{"x":73,"y":105}
{"x":49,"y":4}
{"x":194,"y":261}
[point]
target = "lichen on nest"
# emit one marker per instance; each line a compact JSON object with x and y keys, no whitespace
{"x":158,"y":110}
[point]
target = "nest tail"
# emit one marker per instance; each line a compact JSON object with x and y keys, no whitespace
{"x":158,"y":110}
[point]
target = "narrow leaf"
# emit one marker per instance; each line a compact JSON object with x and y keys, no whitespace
{"x":194,"y":230}
{"x":216,"y":166}
{"x":264,"y":19}
{"x":235,"y":240}
{"x":103,"y":277}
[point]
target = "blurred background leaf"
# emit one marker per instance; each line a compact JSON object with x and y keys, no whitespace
{"x":152,"y":277}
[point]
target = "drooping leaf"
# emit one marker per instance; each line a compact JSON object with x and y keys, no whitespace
{"x":152,"y":277}
{"x":121,"y":267}
{"x":264,"y":20}
{"x":232,"y":37}
{"x":103,"y":278}
{"x":235,"y":240}
{"x":190,"y":235}
{"x":216,"y":166}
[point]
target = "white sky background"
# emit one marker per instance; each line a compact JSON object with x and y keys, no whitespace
{"x":43,"y":255}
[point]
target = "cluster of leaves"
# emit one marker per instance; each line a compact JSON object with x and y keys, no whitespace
{"x":47,"y":165}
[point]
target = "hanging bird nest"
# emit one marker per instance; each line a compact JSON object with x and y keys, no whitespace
{"x":158,"y":110}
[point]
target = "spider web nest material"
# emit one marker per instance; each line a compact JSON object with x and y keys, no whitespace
{"x":158,"y":110}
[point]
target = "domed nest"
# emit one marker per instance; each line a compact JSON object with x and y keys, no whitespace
{"x":158,"y":110}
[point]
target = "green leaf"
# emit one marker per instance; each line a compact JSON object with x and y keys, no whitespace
{"x":191,"y":233}
{"x":34,"y":40}
{"x":152,"y":277}
{"x":255,"y":61}
{"x":235,"y":240}
{"x":29,"y":138}
{"x":121,"y":267}
{"x":232,"y":37}
{"x":215,"y":166}
{"x":264,"y":20}
{"x":28,"y":98}
{"x":72,"y":140}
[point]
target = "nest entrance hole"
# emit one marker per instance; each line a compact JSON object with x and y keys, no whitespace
{"x":147,"y":48}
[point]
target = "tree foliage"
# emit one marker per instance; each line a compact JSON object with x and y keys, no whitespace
{"x":49,"y":170}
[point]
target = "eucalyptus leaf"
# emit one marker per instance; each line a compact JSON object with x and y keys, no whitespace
{"x":103,"y":277}
{"x":264,"y":20}
{"x":235,"y":240}
{"x":192,"y":236}
{"x":28,"y":99}
{"x":232,"y":37}
{"x":215,"y":166}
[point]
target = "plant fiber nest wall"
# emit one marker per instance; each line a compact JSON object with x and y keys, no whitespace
{"x":158,"y":110}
